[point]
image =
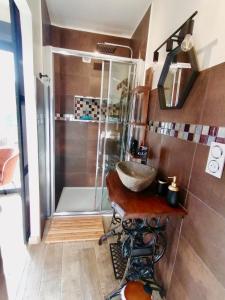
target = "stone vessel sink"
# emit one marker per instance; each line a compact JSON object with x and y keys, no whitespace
{"x":136,"y":177}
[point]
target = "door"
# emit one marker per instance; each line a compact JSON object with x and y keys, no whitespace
{"x":14,"y":193}
{"x":42,"y":97}
{"x":12,"y":116}
{"x":117,"y":83}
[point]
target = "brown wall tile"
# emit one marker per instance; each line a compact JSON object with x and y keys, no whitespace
{"x":65,"y":104}
{"x":154,"y":142}
{"x":164,"y":268}
{"x":72,"y":65}
{"x":203,"y":228}
{"x":197,"y":280}
{"x":79,"y":179}
{"x":178,"y":159}
{"x":85,"y":41}
{"x":171,"y":156}
{"x":75,"y":154}
{"x":73,"y":77}
{"x":153,"y":101}
{"x":140,"y":37}
{"x":198,"y":272}
{"x":206,"y":187}
{"x":214,"y":109}
{"x":176,"y":290}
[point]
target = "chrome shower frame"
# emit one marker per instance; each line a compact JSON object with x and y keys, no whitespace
{"x":49,"y":51}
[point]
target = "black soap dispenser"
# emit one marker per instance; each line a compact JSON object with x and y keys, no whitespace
{"x":173,"y":193}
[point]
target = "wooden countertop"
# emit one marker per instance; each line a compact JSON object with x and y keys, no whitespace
{"x":131,"y":205}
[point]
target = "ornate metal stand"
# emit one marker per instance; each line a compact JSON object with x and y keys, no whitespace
{"x":114,"y":229}
{"x":143,"y":244}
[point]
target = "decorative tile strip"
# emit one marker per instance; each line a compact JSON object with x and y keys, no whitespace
{"x":202,"y":134}
{"x":90,"y":108}
{"x":71,"y":117}
{"x":64,"y":117}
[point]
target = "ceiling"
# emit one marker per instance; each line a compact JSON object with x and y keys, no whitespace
{"x":113,"y":17}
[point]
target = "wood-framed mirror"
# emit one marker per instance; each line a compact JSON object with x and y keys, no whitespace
{"x":178,"y":75}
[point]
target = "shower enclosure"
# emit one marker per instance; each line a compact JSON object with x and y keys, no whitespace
{"x":89,"y":107}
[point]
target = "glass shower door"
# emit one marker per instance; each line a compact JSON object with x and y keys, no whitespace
{"x":100,"y":166}
{"x":117,"y":83}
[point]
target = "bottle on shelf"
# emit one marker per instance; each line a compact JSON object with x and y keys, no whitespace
{"x":173,"y":193}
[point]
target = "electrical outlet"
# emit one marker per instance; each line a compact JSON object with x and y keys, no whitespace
{"x":216,"y":159}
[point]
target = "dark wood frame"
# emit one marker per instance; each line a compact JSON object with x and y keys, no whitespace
{"x":169,"y":59}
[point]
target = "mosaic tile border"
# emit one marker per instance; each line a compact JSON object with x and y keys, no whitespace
{"x":200,"y":134}
{"x":72,"y":118}
{"x":65,"y":117}
{"x":90,"y":107}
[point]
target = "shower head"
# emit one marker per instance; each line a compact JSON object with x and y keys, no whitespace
{"x":105,"y":48}
{"x":110,"y":48}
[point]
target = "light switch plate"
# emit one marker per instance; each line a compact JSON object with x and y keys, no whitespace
{"x":216,"y":159}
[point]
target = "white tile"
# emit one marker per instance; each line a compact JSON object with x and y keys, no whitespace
{"x":210,"y":140}
{"x":192,"y":128}
{"x":182,"y":126}
{"x":205,"y":130}
{"x":152,"y":129}
{"x":198,"y":129}
{"x":185,"y":136}
{"x":221,"y":132}
{"x":180,"y":134}
{"x":172,"y":132}
{"x":177,"y":126}
{"x":196,"y":137}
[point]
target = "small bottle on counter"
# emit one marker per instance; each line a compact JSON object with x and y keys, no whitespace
{"x":173,"y":193}
{"x":134,"y":147}
{"x":143,"y":154}
{"x":162,"y":187}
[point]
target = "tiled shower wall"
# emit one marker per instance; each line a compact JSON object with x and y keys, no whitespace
{"x":75,"y":142}
{"x":73,"y":77}
{"x":193,"y":267}
{"x":75,"y":154}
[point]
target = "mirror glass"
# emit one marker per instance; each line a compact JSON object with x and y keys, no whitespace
{"x":177,"y":77}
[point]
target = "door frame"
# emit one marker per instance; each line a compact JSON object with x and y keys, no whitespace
{"x":16,"y":49}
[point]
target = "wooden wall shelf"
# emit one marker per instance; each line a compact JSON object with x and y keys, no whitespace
{"x":141,"y":89}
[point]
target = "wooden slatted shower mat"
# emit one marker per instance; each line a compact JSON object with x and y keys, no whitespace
{"x":79,"y":228}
